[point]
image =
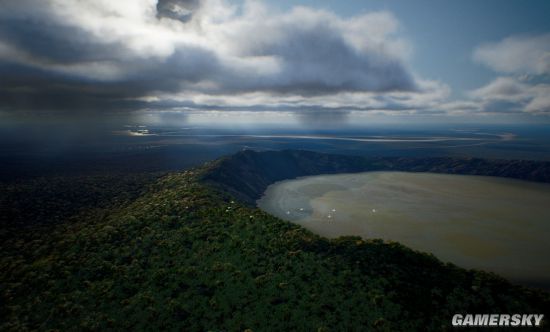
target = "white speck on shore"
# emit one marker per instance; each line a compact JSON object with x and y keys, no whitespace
{"x":373,"y":210}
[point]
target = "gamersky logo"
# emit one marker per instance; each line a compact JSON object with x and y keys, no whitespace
{"x":497,"y":320}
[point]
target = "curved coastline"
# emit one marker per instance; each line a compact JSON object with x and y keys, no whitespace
{"x":488,"y":223}
{"x":247,"y":174}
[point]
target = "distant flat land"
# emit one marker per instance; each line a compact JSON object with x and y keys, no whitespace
{"x":34,"y":152}
{"x":495,"y":224}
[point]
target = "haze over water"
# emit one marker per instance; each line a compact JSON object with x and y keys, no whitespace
{"x":495,"y":224}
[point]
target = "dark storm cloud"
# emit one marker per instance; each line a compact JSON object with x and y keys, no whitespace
{"x":318,"y":60}
{"x":181,"y":10}
{"x":125,"y":55}
{"x":53,"y":42}
{"x":30,"y":88}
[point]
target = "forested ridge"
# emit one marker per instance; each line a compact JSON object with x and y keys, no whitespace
{"x":248,"y":173}
{"x":180,"y":252}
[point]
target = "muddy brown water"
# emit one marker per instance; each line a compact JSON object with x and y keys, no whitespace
{"x":488,"y":223}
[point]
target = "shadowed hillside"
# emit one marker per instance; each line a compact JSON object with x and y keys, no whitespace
{"x":247,"y":174}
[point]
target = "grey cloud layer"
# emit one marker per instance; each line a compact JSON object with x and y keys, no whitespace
{"x":72,"y":55}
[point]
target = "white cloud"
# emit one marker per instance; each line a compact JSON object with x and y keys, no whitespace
{"x":502,"y":88}
{"x":540,"y":104}
{"x":526,"y":62}
{"x":509,"y":94}
{"x":517,"y":54}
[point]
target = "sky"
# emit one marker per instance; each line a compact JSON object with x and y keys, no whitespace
{"x":424,"y":61}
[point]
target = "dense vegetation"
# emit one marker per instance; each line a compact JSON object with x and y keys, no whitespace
{"x":54,"y":199}
{"x":178,"y":253}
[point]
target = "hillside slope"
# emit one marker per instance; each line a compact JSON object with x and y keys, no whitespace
{"x":186,"y":256}
{"x":247,"y":174}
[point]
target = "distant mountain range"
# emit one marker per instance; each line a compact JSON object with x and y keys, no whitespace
{"x":248,"y":173}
